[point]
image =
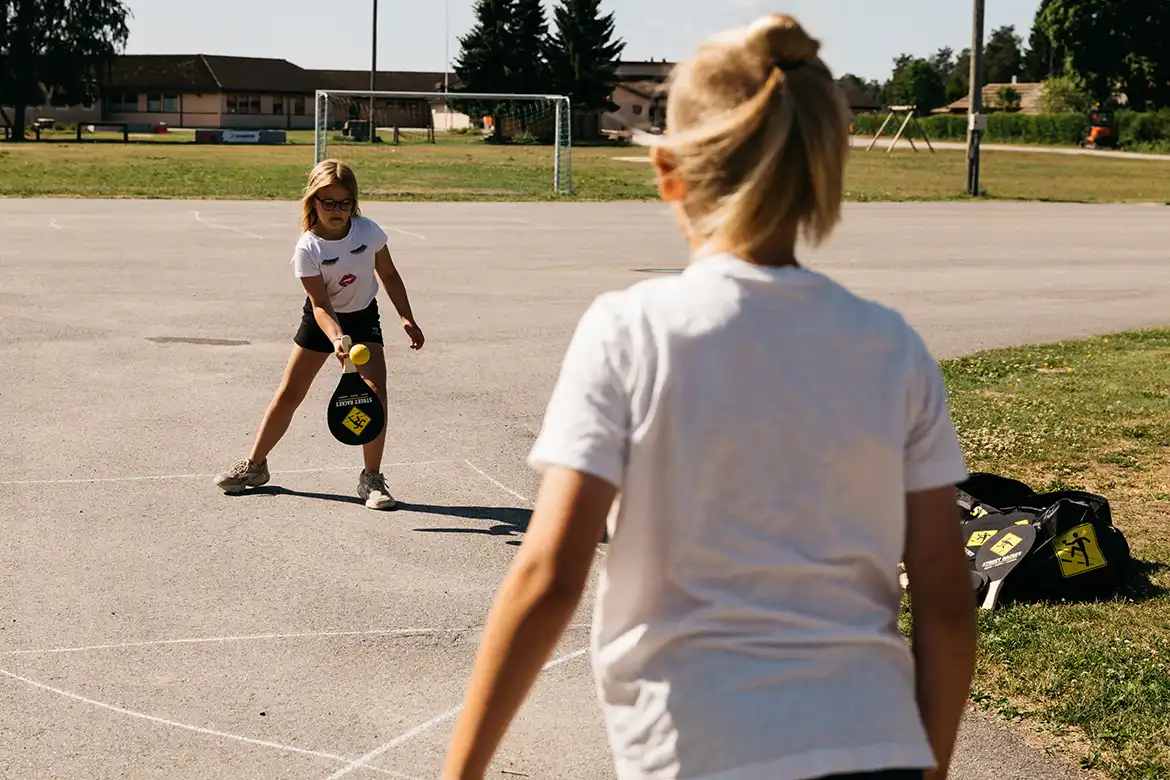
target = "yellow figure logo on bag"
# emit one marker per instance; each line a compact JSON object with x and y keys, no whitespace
{"x":1078,"y":551}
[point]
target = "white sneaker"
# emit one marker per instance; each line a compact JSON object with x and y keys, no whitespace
{"x":372,"y":489}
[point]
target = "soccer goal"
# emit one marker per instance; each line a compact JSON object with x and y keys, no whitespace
{"x":529,"y":124}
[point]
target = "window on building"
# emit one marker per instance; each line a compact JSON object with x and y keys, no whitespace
{"x":299,"y":106}
{"x":637,"y":109}
{"x":243,"y":104}
{"x":153,"y":104}
{"x":171,"y":104}
{"x":277,"y":105}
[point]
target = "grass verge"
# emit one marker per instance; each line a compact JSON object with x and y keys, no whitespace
{"x":467,"y":170}
{"x":1093,"y":415}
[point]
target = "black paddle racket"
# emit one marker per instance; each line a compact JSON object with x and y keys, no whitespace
{"x":355,"y":413}
{"x":1000,"y":555}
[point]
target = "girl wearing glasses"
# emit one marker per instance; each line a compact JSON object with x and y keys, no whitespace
{"x":339,"y":259}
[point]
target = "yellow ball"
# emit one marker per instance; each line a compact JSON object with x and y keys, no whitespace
{"x":359,"y":354}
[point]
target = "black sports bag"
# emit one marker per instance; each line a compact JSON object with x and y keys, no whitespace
{"x":1079,"y":554}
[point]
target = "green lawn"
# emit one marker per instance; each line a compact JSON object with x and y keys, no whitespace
{"x":461,"y":168}
{"x":1092,"y":415}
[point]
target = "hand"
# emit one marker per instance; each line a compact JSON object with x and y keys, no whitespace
{"x":339,"y":351}
{"x":414,"y":332}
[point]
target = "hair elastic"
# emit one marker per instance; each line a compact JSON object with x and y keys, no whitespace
{"x":786,"y":65}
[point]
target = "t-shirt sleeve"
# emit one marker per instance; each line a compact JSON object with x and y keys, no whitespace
{"x":934,"y":457}
{"x":587,"y":419}
{"x":378,"y":238}
{"x":303,"y":262}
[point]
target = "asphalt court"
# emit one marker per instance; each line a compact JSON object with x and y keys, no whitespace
{"x":152,"y":627}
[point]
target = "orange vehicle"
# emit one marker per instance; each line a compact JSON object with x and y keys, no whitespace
{"x":1103,"y":129}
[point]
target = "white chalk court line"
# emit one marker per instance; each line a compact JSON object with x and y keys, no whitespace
{"x":154,"y":477}
{"x":188,"y":727}
{"x":408,"y":233}
{"x":226,"y":227}
{"x":438,"y":720}
{"x":392,"y":632}
{"x":53,"y":224}
{"x":494,"y":481}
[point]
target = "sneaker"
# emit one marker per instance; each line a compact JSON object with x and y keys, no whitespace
{"x":372,"y":489}
{"x":243,"y":474}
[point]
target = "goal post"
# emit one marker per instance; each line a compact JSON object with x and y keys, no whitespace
{"x":342,"y":117}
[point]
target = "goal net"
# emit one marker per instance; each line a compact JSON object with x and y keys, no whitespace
{"x":453,"y":144}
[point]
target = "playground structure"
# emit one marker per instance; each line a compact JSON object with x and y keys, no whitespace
{"x":911,"y":116}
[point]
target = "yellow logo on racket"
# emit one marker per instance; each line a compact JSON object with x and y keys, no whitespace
{"x":356,"y":421}
{"x":1006,"y":545}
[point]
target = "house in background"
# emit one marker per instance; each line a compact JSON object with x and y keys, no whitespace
{"x":1031,"y":94}
{"x":208,"y":91}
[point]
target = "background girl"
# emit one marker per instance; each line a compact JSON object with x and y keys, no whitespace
{"x":339,"y":259}
{"x":779,"y":446}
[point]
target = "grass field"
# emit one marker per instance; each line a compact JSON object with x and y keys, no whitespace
{"x":468,"y":170}
{"x":1092,"y":415}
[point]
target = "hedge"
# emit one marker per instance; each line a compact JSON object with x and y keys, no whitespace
{"x":1137,"y":129}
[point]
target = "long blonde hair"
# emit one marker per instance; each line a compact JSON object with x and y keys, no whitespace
{"x":324,"y":174}
{"x":758,"y":133}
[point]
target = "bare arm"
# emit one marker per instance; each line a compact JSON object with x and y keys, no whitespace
{"x":322,"y":307}
{"x":392,"y":281}
{"x":396,"y":289}
{"x":535,"y":604}
{"x":942,"y":605}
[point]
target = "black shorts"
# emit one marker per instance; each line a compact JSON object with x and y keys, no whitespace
{"x":364,"y":327}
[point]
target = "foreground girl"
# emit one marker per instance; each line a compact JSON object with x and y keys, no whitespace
{"x":339,"y":259}
{"x":779,"y":446}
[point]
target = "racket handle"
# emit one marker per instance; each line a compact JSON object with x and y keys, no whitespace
{"x":346,"y":343}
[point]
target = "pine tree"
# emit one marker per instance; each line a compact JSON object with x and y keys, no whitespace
{"x":529,"y":30}
{"x":584,"y":55}
{"x":487,"y":57}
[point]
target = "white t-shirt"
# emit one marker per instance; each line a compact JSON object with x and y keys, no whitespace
{"x":346,"y":264}
{"x":763,"y":426}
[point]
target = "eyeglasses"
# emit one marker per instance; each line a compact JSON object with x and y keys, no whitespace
{"x":332,"y":205}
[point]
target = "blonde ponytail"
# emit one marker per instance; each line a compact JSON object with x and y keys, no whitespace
{"x":758,"y":132}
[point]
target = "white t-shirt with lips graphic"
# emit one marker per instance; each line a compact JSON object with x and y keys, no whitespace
{"x":346,"y":264}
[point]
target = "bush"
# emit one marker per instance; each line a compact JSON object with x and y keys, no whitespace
{"x":1138,"y":129}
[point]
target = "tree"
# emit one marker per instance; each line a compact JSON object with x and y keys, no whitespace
{"x":944,"y":62}
{"x":55,"y":50}
{"x":1062,"y":95}
{"x":1002,"y":56}
{"x":866,"y":87}
{"x":1008,"y":99}
{"x":1044,"y":58}
{"x":1097,"y":38}
{"x":959,"y":83}
{"x":916,"y":82}
{"x":584,"y":54}
{"x":487,"y":57}
{"x":529,"y":31}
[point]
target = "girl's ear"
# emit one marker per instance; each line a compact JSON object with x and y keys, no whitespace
{"x":670,"y":186}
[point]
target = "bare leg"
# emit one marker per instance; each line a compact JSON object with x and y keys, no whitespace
{"x":374,"y":372}
{"x":302,"y":368}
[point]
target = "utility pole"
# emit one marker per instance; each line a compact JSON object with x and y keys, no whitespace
{"x":447,"y":61}
{"x":373,"y":71}
{"x":976,"y":121}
